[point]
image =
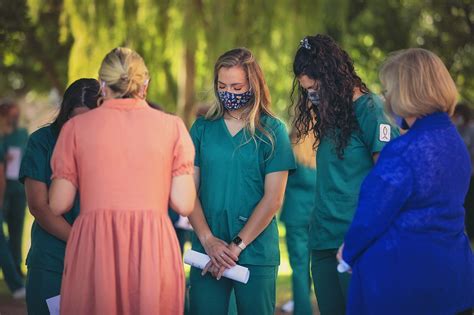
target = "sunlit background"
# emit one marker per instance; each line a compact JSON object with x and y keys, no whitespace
{"x":46,"y":44}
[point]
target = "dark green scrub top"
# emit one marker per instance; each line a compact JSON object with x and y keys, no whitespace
{"x":2,"y":149}
{"x":46,"y":251}
{"x":338,"y":180}
{"x":299,"y":196}
{"x":232,"y":177}
{"x":18,"y":138}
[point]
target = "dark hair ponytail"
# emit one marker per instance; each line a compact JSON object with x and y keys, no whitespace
{"x":81,"y":93}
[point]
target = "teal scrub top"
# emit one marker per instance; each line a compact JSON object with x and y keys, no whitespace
{"x":46,"y":251}
{"x":2,"y":149}
{"x":232,"y":177}
{"x":299,"y":196}
{"x":338,"y":180}
{"x":18,"y":138}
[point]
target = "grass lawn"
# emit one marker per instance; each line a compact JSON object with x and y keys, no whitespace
{"x":8,"y":306}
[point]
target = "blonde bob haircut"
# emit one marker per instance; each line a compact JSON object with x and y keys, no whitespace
{"x":261,"y":101}
{"x":125,"y":73}
{"x":417,"y":83}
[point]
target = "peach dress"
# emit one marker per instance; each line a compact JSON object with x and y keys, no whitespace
{"x":122,"y":256}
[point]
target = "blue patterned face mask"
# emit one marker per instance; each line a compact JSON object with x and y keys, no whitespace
{"x":232,"y":101}
{"x":314,"y":98}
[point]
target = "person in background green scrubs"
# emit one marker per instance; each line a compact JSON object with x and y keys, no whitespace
{"x":7,"y":264}
{"x":243,"y":155}
{"x":49,"y":233}
{"x":295,"y":214}
{"x":14,"y":204}
{"x":350,"y":130}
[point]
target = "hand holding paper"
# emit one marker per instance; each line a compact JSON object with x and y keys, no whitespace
{"x":342,"y":266}
{"x":199,"y":260}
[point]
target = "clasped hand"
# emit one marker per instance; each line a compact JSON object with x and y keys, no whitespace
{"x":223,"y":256}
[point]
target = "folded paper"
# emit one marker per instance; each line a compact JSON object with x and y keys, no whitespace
{"x":199,"y":260}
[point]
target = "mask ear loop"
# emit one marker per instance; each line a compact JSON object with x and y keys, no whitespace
{"x":102,"y":88}
{"x":144,"y":87}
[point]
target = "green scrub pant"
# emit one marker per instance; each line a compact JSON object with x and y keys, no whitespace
{"x":12,"y":277}
{"x":41,"y":285}
{"x":209,"y":296}
{"x":298,"y":251}
{"x":14,"y":212}
{"x":330,"y":286}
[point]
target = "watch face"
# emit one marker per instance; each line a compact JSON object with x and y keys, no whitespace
{"x":237,"y":240}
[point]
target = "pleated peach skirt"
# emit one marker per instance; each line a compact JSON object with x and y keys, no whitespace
{"x":123,"y":262}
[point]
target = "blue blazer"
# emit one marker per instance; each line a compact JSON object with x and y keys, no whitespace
{"x":406,"y":245}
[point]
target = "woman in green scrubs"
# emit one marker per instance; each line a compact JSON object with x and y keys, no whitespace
{"x":295,"y":214}
{"x":243,"y":155}
{"x":14,"y":202}
{"x":50,"y":232}
{"x":7,"y":264}
{"x":350,"y":129}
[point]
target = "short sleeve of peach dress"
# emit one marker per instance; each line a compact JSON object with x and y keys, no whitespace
{"x":123,"y":256}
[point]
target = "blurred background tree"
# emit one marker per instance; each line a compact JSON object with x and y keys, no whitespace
{"x":45,"y":44}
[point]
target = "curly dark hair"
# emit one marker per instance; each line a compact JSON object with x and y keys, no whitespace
{"x":321,"y":59}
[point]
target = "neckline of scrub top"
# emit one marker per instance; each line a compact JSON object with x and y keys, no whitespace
{"x":125,"y":103}
{"x":233,"y":137}
{"x":360,"y":99}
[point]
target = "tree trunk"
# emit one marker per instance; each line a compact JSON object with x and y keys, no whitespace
{"x":186,"y":88}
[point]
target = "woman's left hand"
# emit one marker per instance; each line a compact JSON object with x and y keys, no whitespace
{"x":340,"y":259}
{"x":234,"y":249}
{"x":339,"y":253}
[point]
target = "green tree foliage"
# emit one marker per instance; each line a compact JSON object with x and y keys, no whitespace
{"x":48,"y":43}
{"x":32,"y":58}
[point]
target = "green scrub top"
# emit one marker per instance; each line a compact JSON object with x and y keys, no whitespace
{"x":18,"y":138}
{"x":232,"y":177}
{"x":46,"y":251}
{"x":2,"y":149}
{"x":299,"y":196}
{"x":338,"y":180}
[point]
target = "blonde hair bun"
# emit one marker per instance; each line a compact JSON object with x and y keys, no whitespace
{"x":124,"y":72}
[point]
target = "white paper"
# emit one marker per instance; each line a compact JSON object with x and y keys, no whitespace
{"x":53,"y":304}
{"x":183,"y":223}
{"x":343,"y":267}
{"x":13,"y":163}
{"x":199,"y":260}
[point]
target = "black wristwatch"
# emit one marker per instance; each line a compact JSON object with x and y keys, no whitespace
{"x":238,"y":241}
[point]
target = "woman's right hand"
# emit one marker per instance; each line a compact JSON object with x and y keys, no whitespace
{"x":219,"y":253}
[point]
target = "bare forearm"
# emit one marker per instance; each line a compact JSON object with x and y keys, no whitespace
{"x":37,"y":197}
{"x":53,"y":224}
{"x":275,"y":184}
{"x":199,"y":223}
{"x":261,"y":217}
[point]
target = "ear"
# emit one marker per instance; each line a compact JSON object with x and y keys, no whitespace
{"x":145,"y":88}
